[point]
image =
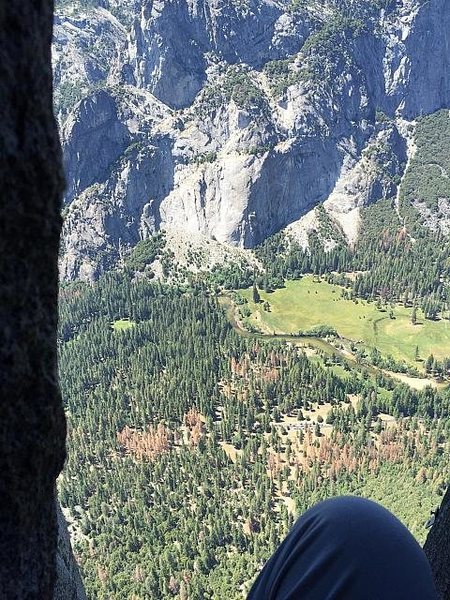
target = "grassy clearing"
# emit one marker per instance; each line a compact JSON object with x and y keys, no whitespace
{"x":309,"y":302}
{"x":123,"y":324}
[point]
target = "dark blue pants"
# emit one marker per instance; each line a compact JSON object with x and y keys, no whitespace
{"x":348,"y":549}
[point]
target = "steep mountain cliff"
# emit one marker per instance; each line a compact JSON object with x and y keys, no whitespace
{"x":235,"y":118}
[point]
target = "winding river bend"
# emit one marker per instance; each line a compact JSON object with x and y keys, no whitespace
{"x":299,"y":340}
{"x":319,"y":344}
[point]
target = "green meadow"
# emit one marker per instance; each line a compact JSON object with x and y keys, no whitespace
{"x":122,"y":324}
{"x":310,"y":302}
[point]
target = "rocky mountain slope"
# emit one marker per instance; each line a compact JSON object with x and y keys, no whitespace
{"x":235,"y":118}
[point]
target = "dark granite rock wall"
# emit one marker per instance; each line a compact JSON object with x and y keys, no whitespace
{"x":437,"y":548}
{"x":32,"y":424}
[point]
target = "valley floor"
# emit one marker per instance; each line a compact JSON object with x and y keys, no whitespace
{"x":311,"y":302}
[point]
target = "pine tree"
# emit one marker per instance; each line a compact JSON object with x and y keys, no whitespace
{"x":429,"y":363}
{"x":256,"y":296}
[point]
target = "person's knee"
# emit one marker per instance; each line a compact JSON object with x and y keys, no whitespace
{"x":351,"y":516}
{"x":361,"y":527}
{"x":344,"y":548}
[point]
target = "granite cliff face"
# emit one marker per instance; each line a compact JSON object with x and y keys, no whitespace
{"x":32,"y":444}
{"x":234,"y":118}
{"x":69,"y":585}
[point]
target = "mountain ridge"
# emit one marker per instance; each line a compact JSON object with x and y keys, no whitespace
{"x":318,"y":106}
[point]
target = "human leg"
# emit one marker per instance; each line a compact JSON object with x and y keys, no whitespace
{"x":346,"y":548}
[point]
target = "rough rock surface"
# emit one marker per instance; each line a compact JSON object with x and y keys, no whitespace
{"x":68,"y":582}
{"x":32,"y":433}
{"x":233,"y":118}
{"x":437,"y":548}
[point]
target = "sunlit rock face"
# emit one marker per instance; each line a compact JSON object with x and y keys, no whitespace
{"x":235,"y":118}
